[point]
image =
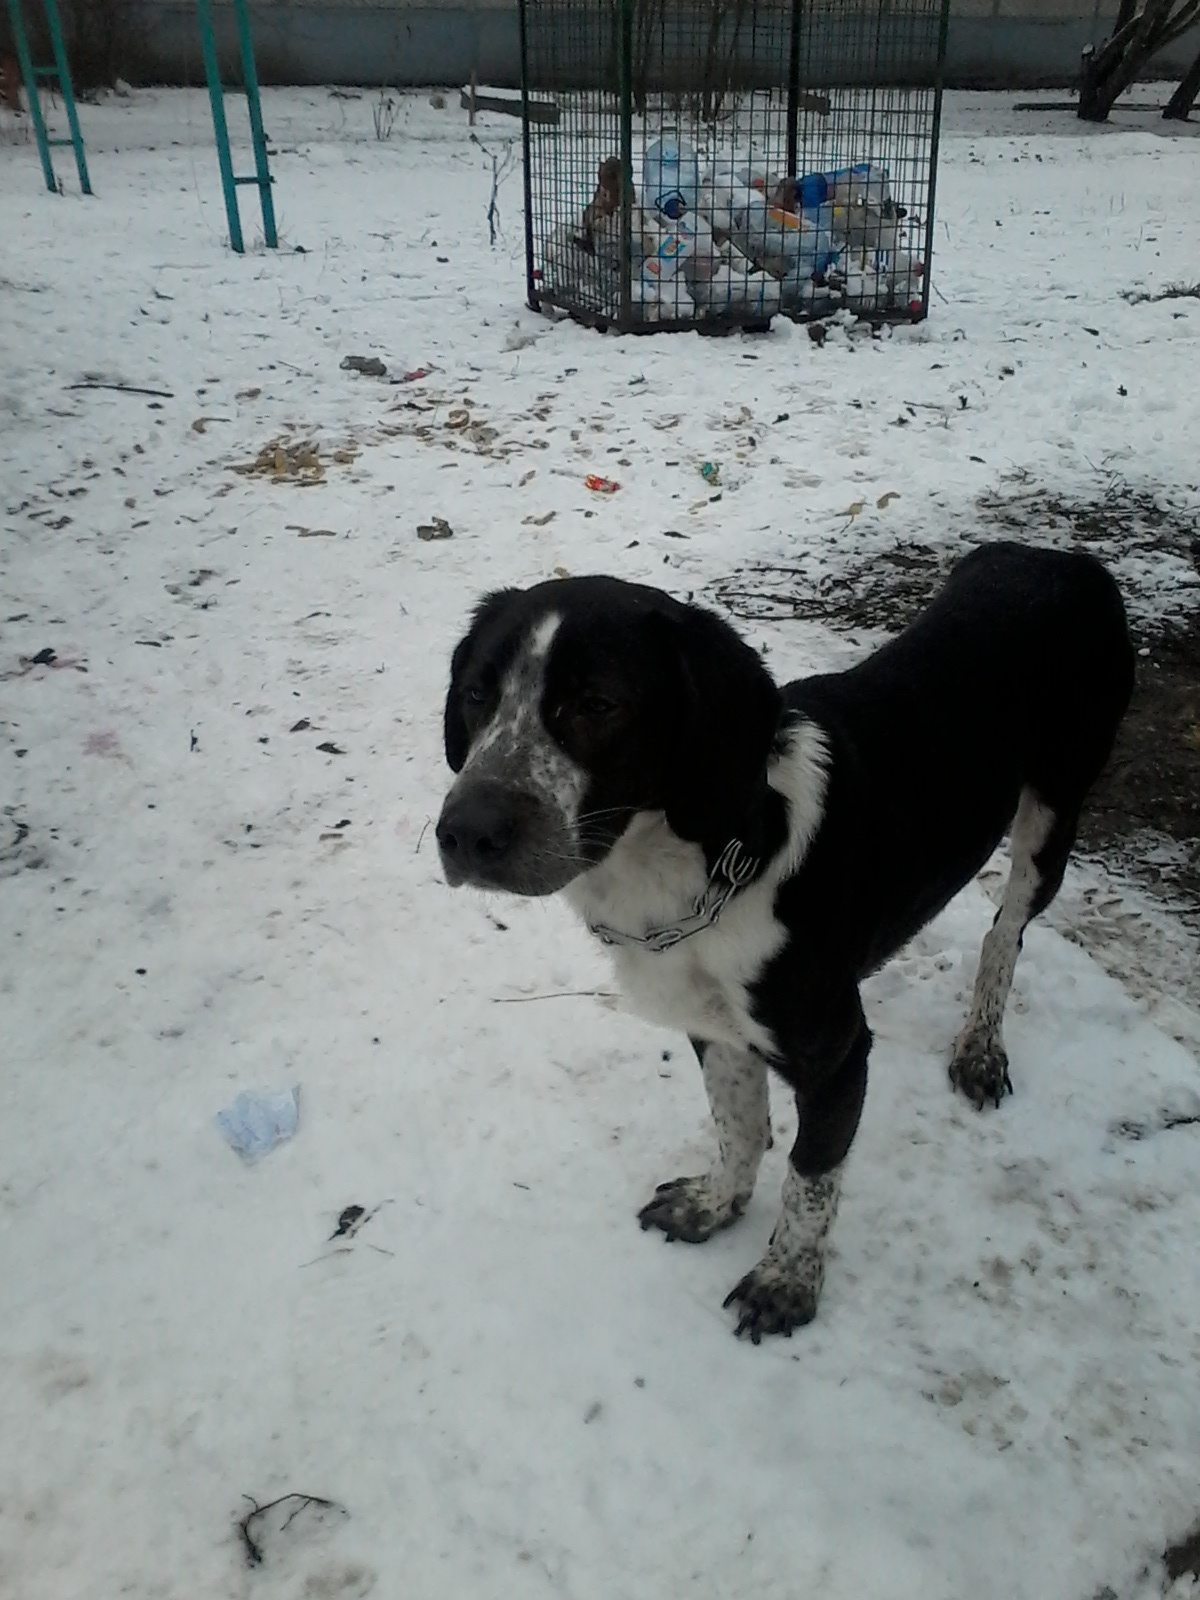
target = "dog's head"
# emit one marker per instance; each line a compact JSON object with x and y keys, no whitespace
{"x":578,"y":703}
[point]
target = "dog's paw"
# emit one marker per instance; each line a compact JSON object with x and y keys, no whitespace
{"x":778,"y":1296}
{"x":692,"y":1209}
{"x":980,"y":1069}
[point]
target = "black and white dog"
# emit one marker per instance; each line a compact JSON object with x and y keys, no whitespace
{"x":750,"y":854}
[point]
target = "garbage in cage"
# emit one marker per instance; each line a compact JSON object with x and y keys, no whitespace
{"x":734,"y":241}
{"x":717,"y":164}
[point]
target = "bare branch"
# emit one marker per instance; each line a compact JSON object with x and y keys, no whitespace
{"x":1183,"y":20}
{"x":253,"y":1549}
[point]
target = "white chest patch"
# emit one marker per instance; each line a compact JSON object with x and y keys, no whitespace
{"x":652,"y":878}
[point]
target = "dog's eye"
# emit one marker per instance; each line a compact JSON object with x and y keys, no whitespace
{"x":597,"y":705}
{"x":474,"y":695}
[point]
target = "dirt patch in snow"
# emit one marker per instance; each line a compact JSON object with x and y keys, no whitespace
{"x":1183,"y":1558}
{"x":1146,"y":806}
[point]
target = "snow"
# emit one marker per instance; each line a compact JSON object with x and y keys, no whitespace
{"x":508,"y":1388}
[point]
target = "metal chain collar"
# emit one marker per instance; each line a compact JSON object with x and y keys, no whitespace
{"x":734,"y":868}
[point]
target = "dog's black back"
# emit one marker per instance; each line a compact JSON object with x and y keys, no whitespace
{"x":1016,"y":676}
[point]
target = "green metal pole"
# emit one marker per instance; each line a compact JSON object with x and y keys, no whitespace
{"x":31,"y":92}
{"x":216,"y":95}
{"x":259,"y":138}
{"x":68,"y":94}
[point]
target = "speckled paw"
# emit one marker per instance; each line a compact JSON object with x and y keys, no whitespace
{"x":777,"y":1298}
{"x":980,"y":1070}
{"x":691,"y":1209}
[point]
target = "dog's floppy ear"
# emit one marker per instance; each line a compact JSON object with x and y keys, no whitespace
{"x":454,"y":726}
{"x":731,"y":712}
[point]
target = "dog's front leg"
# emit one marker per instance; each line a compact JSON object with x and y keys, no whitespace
{"x":782,"y":1291}
{"x":696,"y":1208}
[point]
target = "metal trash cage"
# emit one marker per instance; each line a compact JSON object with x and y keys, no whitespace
{"x":714,"y":162}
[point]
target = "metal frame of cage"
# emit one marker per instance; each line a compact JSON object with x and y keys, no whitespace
{"x":814,"y":82}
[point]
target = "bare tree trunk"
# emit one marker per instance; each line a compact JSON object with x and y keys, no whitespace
{"x":1109,"y":71}
{"x":10,"y":84}
{"x":1184,"y":98}
{"x":647,"y":49}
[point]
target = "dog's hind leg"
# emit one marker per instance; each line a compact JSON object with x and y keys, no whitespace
{"x":1041,"y":841}
{"x":696,"y":1208}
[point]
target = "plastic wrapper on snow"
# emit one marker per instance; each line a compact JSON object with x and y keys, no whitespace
{"x":257,"y":1120}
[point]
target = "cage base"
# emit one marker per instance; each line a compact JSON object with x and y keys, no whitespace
{"x":718,"y":326}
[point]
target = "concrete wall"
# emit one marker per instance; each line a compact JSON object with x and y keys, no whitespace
{"x":992,"y":43}
{"x":1036,"y":43}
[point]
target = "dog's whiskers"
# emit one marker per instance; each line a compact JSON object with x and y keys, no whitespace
{"x":571,"y":856}
{"x":599,"y":816}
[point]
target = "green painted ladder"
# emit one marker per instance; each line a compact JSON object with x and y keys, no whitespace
{"x":34,"y":77}
{"x":261,"y":176}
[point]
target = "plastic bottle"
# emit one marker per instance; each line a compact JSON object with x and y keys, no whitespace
{"x":866,"y":184}
{"x":749,"y":214}
{"x":716,"y":199}
{"x":828,"y":235}
{"x":869,"y":184}
{"x":671,"y":176}
{"x":770,"y":235}
{"x":686,"y":246}
{"x":666,"y":261}
{"x":703,"y":257}
{"x":736,"y":286}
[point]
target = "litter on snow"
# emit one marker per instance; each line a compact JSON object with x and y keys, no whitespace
{"x":256,"y":1121}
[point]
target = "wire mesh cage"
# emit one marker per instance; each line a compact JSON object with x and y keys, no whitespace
{"x":715,"y":162}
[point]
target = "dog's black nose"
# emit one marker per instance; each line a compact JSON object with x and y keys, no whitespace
{"x":476,"y":830}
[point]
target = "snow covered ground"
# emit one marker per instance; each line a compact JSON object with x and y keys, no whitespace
{"x":218,"y":875}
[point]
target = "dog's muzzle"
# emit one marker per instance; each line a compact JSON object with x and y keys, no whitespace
{"x":495,"y":836}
